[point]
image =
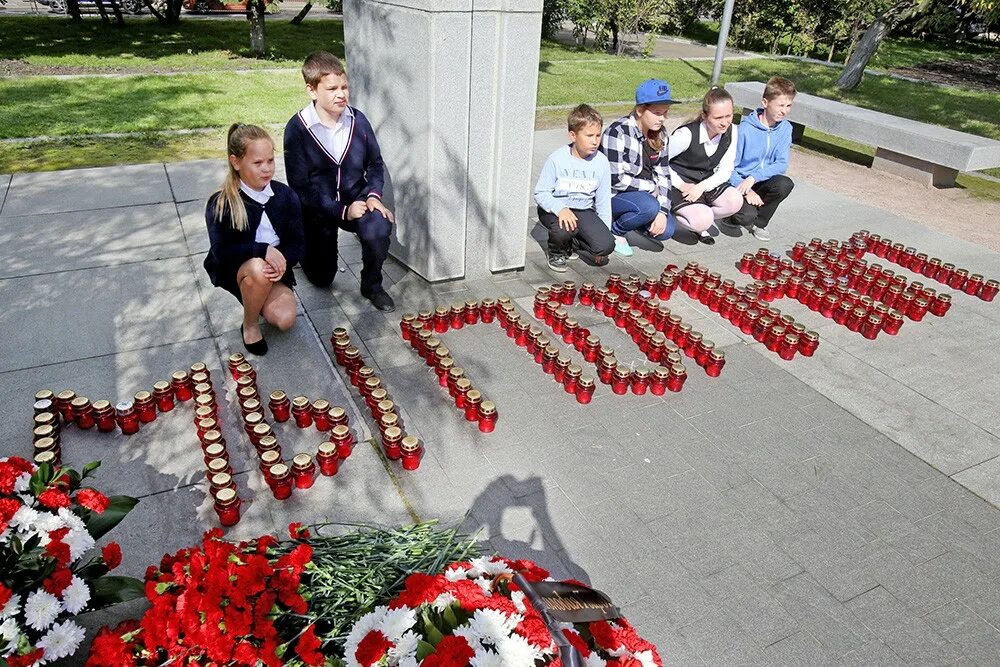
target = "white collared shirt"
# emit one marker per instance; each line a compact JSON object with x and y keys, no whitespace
{"x":680,"y":141}
{"x":265,"y":232}
{"x":333,"y":139}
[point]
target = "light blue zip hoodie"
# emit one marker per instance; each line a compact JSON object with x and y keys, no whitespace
{"x":761,"y":152}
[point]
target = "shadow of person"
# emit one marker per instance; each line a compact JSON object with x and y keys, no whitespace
{"x":543,"y":545}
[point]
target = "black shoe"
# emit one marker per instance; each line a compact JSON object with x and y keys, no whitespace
{"x":558,"y":263}
{"x":259,"y":348}
{"x":706,"y":239}
{"x":382,"y":301}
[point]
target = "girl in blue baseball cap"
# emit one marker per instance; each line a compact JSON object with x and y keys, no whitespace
{"x":636,"y":149}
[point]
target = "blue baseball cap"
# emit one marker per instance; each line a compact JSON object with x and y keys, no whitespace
{"x":653,"y":91}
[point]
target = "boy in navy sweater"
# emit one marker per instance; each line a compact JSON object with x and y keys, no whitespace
{"x":333,"y":163}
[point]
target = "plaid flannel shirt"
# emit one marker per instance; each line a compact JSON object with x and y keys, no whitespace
{"x":622,"y":144}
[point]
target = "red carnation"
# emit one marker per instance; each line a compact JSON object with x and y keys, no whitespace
{"x":112,"y":555}
{"x":373,"y":647}
{"x":604,"y":635}
{"x":53,"y":499}
{"x":308,"y":648}
{"x":533,"y":629}
{"x":419,"y":589}
{"x":110,"y":650}
{"x":451,"y":651}
{"x":8,"y":508}
{"x":58,"y":581}
{"x":297,"y":532}
{"x":577,"y":641}
{"x":26,"y":659}
{"x":58,"y":550}
{"x":95,"y":501}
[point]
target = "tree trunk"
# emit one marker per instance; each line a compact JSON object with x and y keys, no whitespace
{"x":255,"y":15}
{"x":302,"y":13}
{"x":154,"y":11}
{"x":119,"y":19}
{"x":73,"y":9}
{"x":854,"y":70}
{"x":103,"y":12}
{"x":829,"y":56}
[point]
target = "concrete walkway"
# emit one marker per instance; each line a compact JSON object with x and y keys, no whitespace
{"x":826,"y":510}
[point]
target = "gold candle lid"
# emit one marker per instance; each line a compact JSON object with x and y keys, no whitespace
{"x":470,"y":304}
{"x":389,"y":419}
{"x":661,"y":372}
{"x":585,"y":381}
{"x":456,"y":373}
{"x":386,"y":406}
{"x":340,"y":431}
{"x":407,"y":317}
{"x":270,"y":457}
{"x":339,"y":332}
{"x":372,"y":383}
{"x":574,"y":370}
{"x":563,"y":361}
{"x":199,"y":378}
{"x":179,"y":376}
{"x":203,"y":401}
{"x":463,"y":384}
{"x":244,"y":368}
{"x":326,"y":448}
{"x":80,"y":402}
{"x":249,"y":391}
{"x":457,"y":306}
{"x":717,"y":355}
{"x":278,"y":396}
{"x":226,"y":496}
{"x":410,"y":443}
{"x":393,"y":433}
{"x":302,"y":460}
{"x":442,"y":310}
{"x":593,"y":341}
{"x":320,"y":405}
{"x":300,"y":402}
{"x":236,"y":358}
{"x":447,"y":364}
{"x":642,"y":373}
{"x":251,"y":405}
{"x":336,"y":412}
{"x":44,"y":444}
{"x":678,"y":369}
{"x":42,"y":458}
{"x":161,"y":386}
{"x":488,"y":303}
{"x":260,"y":430}
{"x":211,"y":437}
{"x":44,"y":395}
{"x":221,"y":480}
{"x":278,"y":471}
{"x":473,"y":396}
{"x":253,"y":418}
{"x":201,"y":412}
{"x":442,"y":352}
{"x":102,"y":405}
{"x":202,"y":388}
{"x":142,"y":396}
{"x":424,"y":314}
{"x":66,"y":395}
{"x":199,"y":367}
{"x":217,"y":465}
{"x":215,"y":450}
{"x":267,"y":442}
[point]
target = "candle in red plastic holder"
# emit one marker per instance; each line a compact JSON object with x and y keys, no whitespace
{"x":456,"y":315}
{"x":487,"y":311}
{"x":303,"y":471}
{"x":568,"y":295}
{"x":745,"y":263}
{"x":955,"y":279}
{"x":454,"y":375}
{"x":383,"y":407}
{"x":64,"y":404}
{"x":83,"y":412}
{"x":302,"y":412}
{"x":227,"y":506}
{"x":163,"y":395}
{"x":621,"y":380}
{"x":893,"y":322}
{"x":442,"y":319}
{"x":606,"y":369}
{"x":390,"y":442}
{"x":856,"y":319}
{"x":370,"y":385}
{"x":266,"y":443}
{"x":562,"y":362}
{"x":614,"y":283}
{"x":387,"y":421}
{"x":280,"y":406}
{"x":580,"y":338}
{"x":233,"y":362}
{"x":319,"y":411}
{"x":703,"y":351}
{"x":570,"y":327}
{"x":327,"y":459}
{"x":549,"y":356}
{"x":973,"y":285}
{"x":279,"y":478}
{"x":571,"y":378}
{"x":931,"y":268}
{"x":585,"y":389}
{"x":216,"y":450}
{"x":470,"y":404}
{"x":639,"y":381}
{"x":808,"y":343}
{"x":462,"y":387}
{"x":341,"y":436}
{"x":104,"y":415}
{"x":212,"y":436}
{"x":559,"y":321}
{"x":871,"y":327}
{"x":269,"y":459}
{"x":989,"y":290}
{"x":531,"y":345}
{"x":591,"y":349}
{"x":470,"y":312}
{"x":587,"y":294}
{"x":221,"y":481}
{"x":675,"y":381}
{"x":217,"y":465}
{"x":412,"y":449}
{"x":487,"y":416}
{"x":600,"y":299}
{"x":789,"y":346}
{"x":406,"y":323}
{"x":521,"y":332}
{"x":658,"y":380}
{"x":431,"y":346}
{"x":611,"y":302}
{"x":144,"y":406}
{"x":442,"y":369}
{"x":917,"y":309}
{"x":362,"y":376}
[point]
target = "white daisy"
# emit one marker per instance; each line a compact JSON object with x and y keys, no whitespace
{"x":10,"y":631}
{"x":485,"y":584}
{"x":397,"y":621}
{"x":486,"y":658}
{"x":76,"y":596}
{"x":41,"y":609}
{"x":61,"y":641}
{"x":456,"y":574}
{"x":12,"y":607}
{"x":516,"y":650}
{"x":491,"y":566}
{"x":405,"y":648}
{"x":493,"y":625}
{"x":443,"y":601}
{"x":25,"y":519}
{"x":71,"y":520}
{"x":22,"y":482}
{"x":79,"y":543}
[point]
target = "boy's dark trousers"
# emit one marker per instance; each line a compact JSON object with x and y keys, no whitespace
{"x":594,"y":241}
{"x":773,"y":191}
{"x":319,"y":261}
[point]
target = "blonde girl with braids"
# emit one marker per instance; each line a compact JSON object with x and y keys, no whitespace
{"x":702,"y":155}
{"x":255,"y":231}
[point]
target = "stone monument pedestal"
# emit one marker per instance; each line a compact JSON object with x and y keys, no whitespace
{"x":449,"y":86}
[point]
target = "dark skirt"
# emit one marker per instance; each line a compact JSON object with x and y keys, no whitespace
{"x":227,"y":281}
{"x":707,"y":198}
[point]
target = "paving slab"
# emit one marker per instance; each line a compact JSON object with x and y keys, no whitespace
{"x":53,"y":242}
{"x":94,"y":312}
{"x":85,"y":189}
{"x":198,"y":179}
{"x":192,"y":216}
{"x":4,"y":188}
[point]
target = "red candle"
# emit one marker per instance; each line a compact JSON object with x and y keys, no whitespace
{"x":585,"y":389}
{"x":342,"y":438}
{"x":104,"y":414}
{"x":640,"y":381}
{"x":302,"y":411}
{"x":83,"y":412}
{"x":319,"y":411}
{"x":227,"y":506}
{"x":621,"y":380}
{"x":406,"y":325}
{"x":789,"y":347}
{"x":412,"y":450}
{"x":487,"y":311}
{"x":280,"y":406}
{"x":572,"y":378}
{"x":280,"y":481}
{"x":145,"y":407}
{"x":442,"y":319}
{"x":989,"y":290}
{"x":328,"y":459}
{"x":808,"y":342}
{"x":893,"y":322}
{"x":678,"y":374}
{"x":487,"y":417}
{"x":473,"y":398}
{"x":303,"y":471}
{"x":182,"y":386}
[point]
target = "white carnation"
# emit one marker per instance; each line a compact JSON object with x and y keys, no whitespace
{"x":12,"y":607}
{"x":405,"y":648}
{"x":61,"y":641}
{"x":517,"y":597}
{"x":486,"y":658}
{"x":646,"y":658}
{"x":41,"y":609}
{"x":516,"y":650}
{"x":493,"y":625}
{"x":76,"y":596}
{"x":456,"y":574}
{"x":443,"y":601}
{"x":397,"y":621}
{"x":594,"y":660}
{"x":365,"y":624}
{"x":485,"y":584}
{"x":71,"y":520}
{"x":25,"y":519}
{"x":10,"y":631}
{"x":22,"y":483}
{"x":79,"y":543}
{"x":491,"y":566}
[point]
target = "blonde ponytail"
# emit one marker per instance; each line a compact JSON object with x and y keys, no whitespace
{"x":237,"y":140}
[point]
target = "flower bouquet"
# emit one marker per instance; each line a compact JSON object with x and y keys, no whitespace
{"x":475,"y":614}
{"x":48,"y":523}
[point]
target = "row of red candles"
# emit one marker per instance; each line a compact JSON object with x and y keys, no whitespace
{"x":932,"y":268}
{"x":468,"y":399}
{"x":644,"y":318}
{"x":396,"y":445}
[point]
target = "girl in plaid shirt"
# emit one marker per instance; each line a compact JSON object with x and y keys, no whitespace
{"x":636,"y":149}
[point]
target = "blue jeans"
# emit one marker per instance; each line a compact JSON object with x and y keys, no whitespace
{"x":634,"y":210}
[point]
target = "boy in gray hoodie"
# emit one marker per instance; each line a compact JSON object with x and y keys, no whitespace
{"x":763,"y":144}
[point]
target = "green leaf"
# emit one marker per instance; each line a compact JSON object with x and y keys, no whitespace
{"x":89,"y":468}
{"x":424,"y":649}
{"x":99,"y":525}
{"x":108,"y":591}
{"x":434,"y":635}
{"x":449,"y":617}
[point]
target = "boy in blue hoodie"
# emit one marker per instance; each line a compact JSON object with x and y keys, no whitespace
{"x":764,"y":141}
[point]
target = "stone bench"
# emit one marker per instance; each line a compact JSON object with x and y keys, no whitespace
{"x":927,"y":153}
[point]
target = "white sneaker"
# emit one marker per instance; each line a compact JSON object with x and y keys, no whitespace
{"x":760,"y":233}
